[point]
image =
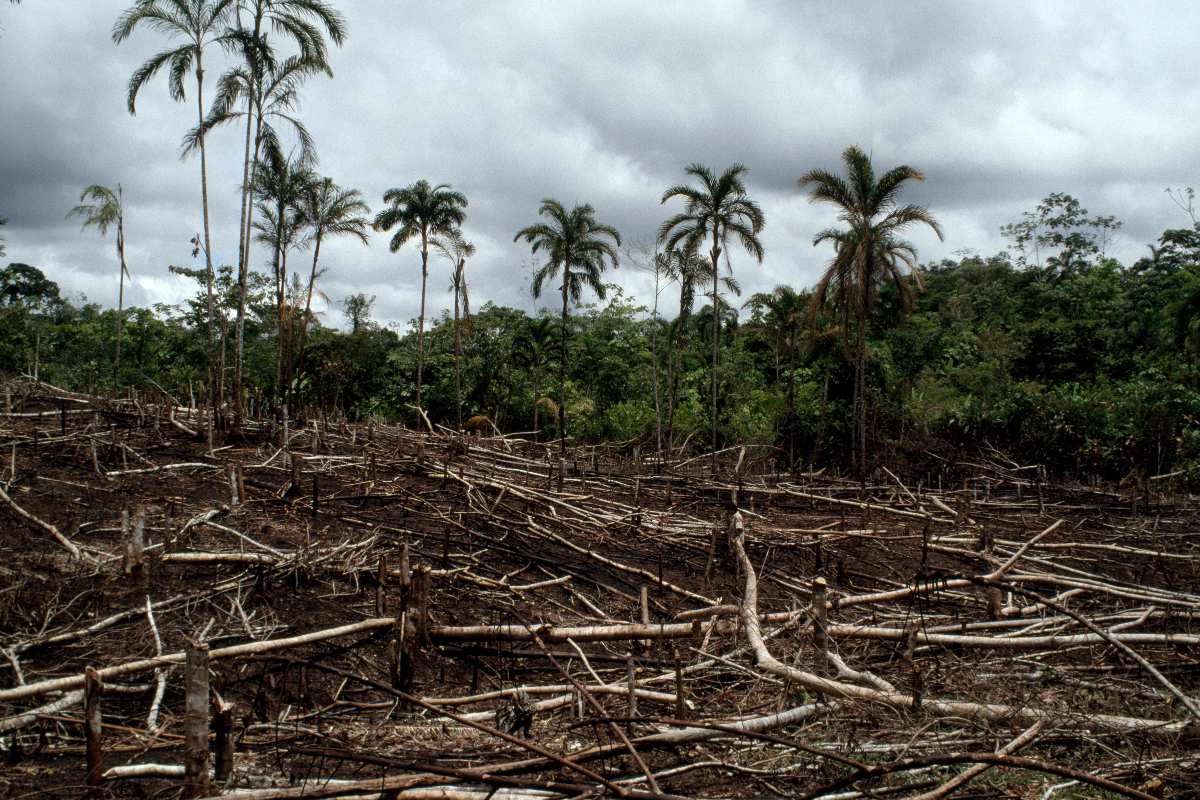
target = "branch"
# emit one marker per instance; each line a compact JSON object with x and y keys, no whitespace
{"x":46,"y":526}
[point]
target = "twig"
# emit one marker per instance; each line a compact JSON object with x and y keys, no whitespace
{"x":1108,"y":637}
{"x":46,"y":526}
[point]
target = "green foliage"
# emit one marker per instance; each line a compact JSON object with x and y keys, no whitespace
{"x":1086,"y":366}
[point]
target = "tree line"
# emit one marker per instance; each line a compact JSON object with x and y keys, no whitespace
{"x":1050,"y":351}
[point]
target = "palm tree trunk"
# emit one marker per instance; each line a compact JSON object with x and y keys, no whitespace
{"x":654,"y":359}
{"x":280,"y":277}
{"x":243,"y":269}
{"x":537,"y":379}
{"x":244,"y":230}
{"x":421,"y":321}
{"x":312,"y":279}
{"x":457,"y":349}
{"x":716,"y":254}
{"x":674,"y":402}
{"x":816,"y":451}
{"x":290,"y":341}
{"x":562,"y":371}
{"x":792,"y":399}
{"x":208,"y":270}
{"x":120,"y":301}
{"x":860,"y":403}
{"x":244,"y":262}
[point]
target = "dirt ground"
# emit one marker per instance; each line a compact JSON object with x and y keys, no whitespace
{"x":505,"y":546}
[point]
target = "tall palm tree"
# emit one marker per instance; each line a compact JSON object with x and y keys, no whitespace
{"x":867,"y":255}
{"x":279,"y":186}
{"x":784,"y":309}
{"x":268,"y":98}
{"x":691,"y":271}
{"x":716,"y":210}
{"x":822,"y":342}
{"x":328,"y":210}
{"x":298,"y":20}
{"x":538,"y":338}
{"x":458,"y":250}
{"x":573,"y":243}
{"x":197,"y":23}
{"x":106,"y":211}
{"x":425,"y":211}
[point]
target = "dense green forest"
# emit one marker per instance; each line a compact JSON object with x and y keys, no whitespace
{"x":1050,"y":352}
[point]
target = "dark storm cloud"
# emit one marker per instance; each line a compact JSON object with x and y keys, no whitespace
{"x":606,"y":103}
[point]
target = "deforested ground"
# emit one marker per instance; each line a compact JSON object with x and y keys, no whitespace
{"x":981,"y":616}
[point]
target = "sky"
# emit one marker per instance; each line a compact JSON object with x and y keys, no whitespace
{"x":997,"y":104}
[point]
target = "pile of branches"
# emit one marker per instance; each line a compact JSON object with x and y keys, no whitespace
{"x":336,"y":609}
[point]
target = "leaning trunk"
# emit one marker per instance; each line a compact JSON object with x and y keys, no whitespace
{"x":312,"y":279}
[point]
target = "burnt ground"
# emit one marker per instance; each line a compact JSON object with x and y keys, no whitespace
{"x":505,"y":546}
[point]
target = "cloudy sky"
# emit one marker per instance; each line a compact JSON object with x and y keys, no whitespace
{"x":998,"y":104}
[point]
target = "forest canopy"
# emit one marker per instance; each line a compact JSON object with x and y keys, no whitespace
{"x":1050,"y":352}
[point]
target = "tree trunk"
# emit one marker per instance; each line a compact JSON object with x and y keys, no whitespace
{"x":244,"y":229}
{"x":674,"y":391}
{"x":457,"y":346}
{"x":716,"y":254}
{"x":792,"y":401}
{"x":120,"y":299}
{"x":280,"y":280}
{"x":214,"y":379}
{"x":816,"y":451}
{"x":860,"y":402}
{"x":654,"y":358}
{"x":243,"y":268}
{"x":562,"y":371}
{"x":537,"y":380}
{"x":421,"y":321}
{"x":291,"y":342}
{"x":312,"y":279}
{"x":196,"y":755}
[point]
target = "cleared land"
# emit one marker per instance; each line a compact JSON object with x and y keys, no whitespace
{"x":934,"y":652}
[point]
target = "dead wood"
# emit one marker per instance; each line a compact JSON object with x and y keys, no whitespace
{"x":906,"y":624}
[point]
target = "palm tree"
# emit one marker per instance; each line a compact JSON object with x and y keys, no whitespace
{"x":329,"y":211}
{"x":867,"y":255}
{"x":107,"y":210}
{"x":197,"y":23}
{"x":455,"y":248}
{"x":821,"y":344}
{"x":426,"y":211}
{"x":263,"y":79}
{"x":273,"y":97}
{"x":715,"y":210}
{"x":692,"y":271}
{"x":572,"y":241}
{"x":279,"y":186}
{"x":784,"y":309}
{"x":538,"y":338}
